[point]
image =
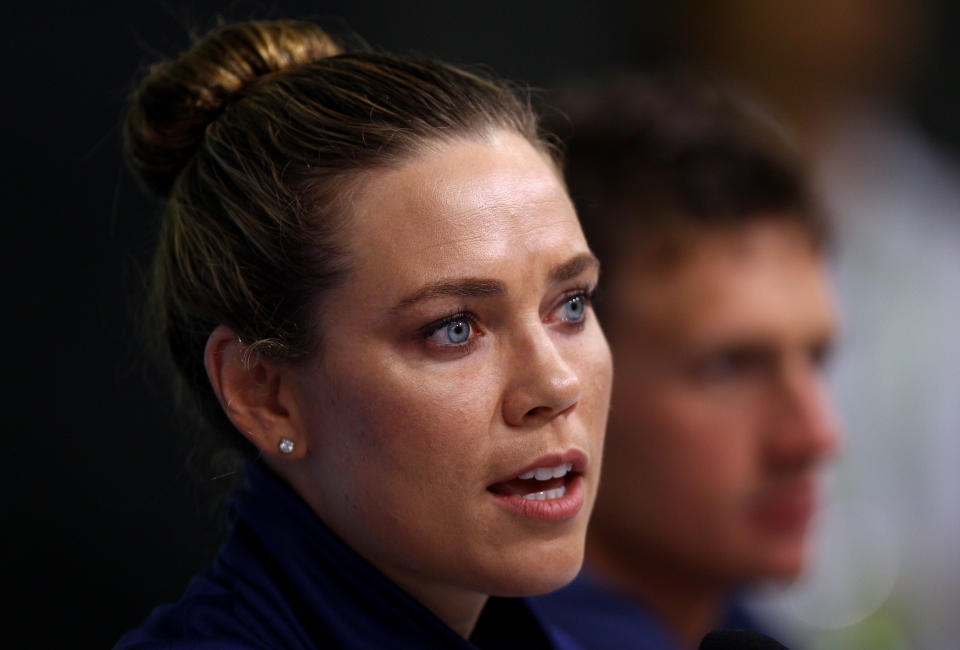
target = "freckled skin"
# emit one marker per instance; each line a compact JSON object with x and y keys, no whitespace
{"x":706,"y":462}
{"x":404,"y":437}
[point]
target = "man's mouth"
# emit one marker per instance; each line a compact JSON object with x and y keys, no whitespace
{"x":788,"y":510}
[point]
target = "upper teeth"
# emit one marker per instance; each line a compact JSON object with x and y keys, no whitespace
{"x":547,"y":473}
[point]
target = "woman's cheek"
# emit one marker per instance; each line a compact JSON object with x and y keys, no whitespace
{"x":426,"y":420}
{"x":600,"y":384}
{"x":596,"y":365}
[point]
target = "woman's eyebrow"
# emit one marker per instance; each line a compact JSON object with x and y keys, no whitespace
{"x":481,"y":288}
{"x":574,"y":267}
{"x":461,"y":288}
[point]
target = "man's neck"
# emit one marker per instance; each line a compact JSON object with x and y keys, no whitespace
{"x":687,"y":605}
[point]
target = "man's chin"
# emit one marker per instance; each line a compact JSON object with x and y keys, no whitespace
{"x":783,"y":563}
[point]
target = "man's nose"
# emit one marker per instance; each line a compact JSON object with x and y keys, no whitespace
{"x":804,"y":429}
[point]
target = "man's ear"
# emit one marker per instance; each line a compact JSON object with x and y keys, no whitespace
{"x":255,"y":395}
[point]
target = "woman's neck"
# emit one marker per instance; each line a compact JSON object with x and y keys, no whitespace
{"x":458,"y":608}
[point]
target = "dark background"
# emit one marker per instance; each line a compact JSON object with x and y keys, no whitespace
{"x":104,"y":520}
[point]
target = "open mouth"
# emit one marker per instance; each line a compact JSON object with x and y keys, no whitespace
{"x":539,"y":484}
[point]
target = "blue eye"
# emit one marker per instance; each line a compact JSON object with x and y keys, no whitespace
{"x":454,"y":332}
{"x":574,"y":309}
{"x":458,"y":331}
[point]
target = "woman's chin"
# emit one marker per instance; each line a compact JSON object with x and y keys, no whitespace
{"x":533,"y":576}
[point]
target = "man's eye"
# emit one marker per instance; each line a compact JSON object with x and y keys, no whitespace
{"x":719,"y":368}
{"x":730,"y":365}
{"x":821,"y":354}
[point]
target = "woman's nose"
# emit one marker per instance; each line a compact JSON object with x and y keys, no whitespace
{"x":542,"y":385}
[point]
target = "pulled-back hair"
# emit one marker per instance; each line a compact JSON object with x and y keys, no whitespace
{"x":654,"y":161}
{"x":255,"y":138}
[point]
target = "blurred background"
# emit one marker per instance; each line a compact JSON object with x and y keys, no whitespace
{"x":104,"y":520}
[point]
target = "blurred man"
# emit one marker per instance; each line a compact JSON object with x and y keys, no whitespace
{"x":854,"y":76}
{"x":718,"y":309}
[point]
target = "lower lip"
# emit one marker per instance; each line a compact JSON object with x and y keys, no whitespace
{"x":566,"y":507}
{"x":786,"y":513}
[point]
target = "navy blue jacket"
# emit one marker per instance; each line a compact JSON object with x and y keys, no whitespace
{"x":283,"y":580}
{"x":602,"y":619}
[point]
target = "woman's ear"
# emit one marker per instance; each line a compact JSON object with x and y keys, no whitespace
{"x":255,"y":395}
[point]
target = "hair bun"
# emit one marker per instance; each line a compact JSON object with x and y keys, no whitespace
{"x":171,"y":109}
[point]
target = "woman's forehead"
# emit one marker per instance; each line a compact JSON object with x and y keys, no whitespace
{"x":476,"y":204}
{"x":461,"y":180}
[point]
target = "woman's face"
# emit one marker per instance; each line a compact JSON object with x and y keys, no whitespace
{"x":460,"y":352}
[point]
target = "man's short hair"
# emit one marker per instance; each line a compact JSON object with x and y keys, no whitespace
{"x":652,"y":161}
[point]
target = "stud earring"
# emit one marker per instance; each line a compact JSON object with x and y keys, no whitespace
{"x":286,"y":446}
